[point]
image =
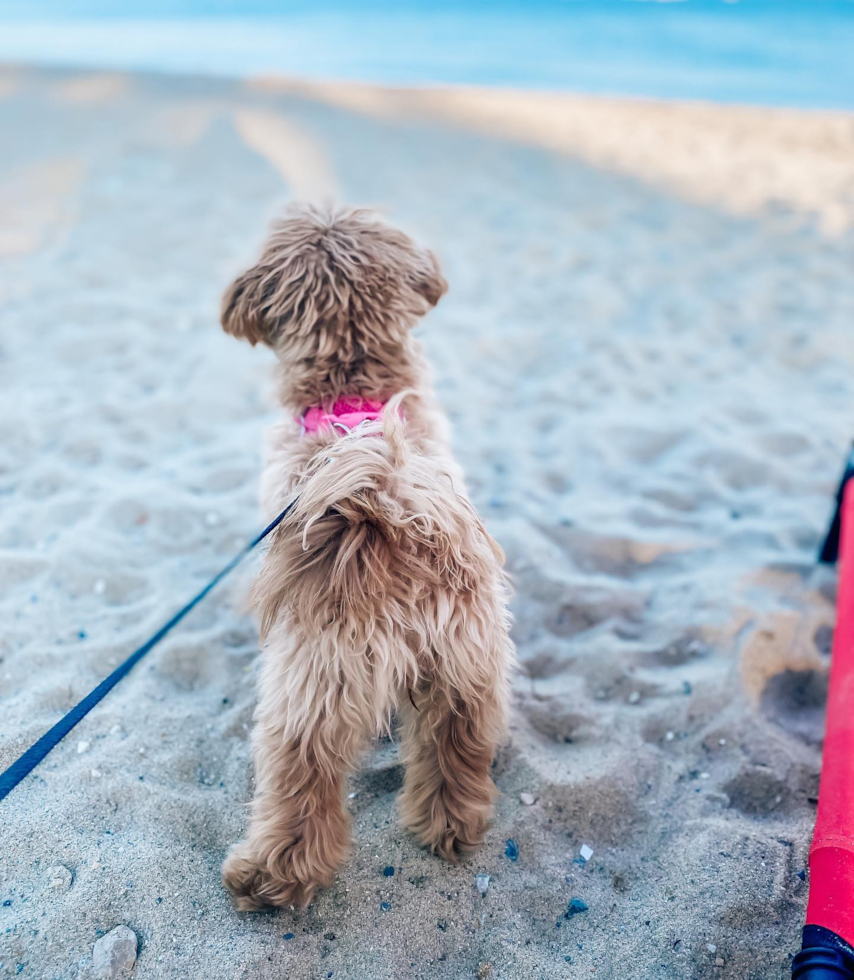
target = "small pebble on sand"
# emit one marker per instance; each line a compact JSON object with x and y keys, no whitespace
{"x":669,"y":736}
{"x":711,"y":947}
{"x":719,"y":961}
{"x":59,"y":878}
{"x":575,"y":907}
{"x":634,"y":697}
{"x":528,"y":799}
{"x":114,"y":955}
{"x":586,"y":852}
{"x":481,"y":883}
{"x":83,"y":746}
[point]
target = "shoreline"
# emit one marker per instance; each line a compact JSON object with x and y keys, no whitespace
{"x":748,"y":53}
{"x":285,"y":82}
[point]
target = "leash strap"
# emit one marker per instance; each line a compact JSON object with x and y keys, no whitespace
{"x":24,"y":765}
{"x":830,"y":549}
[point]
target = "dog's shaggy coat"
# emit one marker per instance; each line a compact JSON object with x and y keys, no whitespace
{"x":381,"y":591}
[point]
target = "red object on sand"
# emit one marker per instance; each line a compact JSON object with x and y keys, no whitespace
{"x":831,"y":901}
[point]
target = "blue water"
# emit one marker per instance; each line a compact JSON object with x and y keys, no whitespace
{"x":775,"y":52}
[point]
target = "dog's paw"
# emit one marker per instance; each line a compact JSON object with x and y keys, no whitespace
{"x":455,"y":841}
{"x":254,"y":885}
{"x":449,"y":836}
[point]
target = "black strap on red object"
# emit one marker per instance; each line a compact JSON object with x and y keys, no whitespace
{"x":830,"y":549}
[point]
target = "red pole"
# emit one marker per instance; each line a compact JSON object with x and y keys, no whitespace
{"x":831,"y":901}
{"x":828,"y":946}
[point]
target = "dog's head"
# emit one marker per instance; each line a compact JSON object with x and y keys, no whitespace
{"x":332,"y":283}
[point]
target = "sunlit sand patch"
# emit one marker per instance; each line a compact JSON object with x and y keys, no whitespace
{"x":725,"y":636}
{"x":781,"y":641}
{"x":92,"y":88}
{"x":743,"y":159}
{"x":369,"y":100}
{"x":623,"y":555}
{"x":35,"y":202}
{"x":295,"y":155}
{"x":740,"y":158}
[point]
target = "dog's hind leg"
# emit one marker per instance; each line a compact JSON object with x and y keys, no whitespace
{"x":307,"y":736}
{"x":449,"y":739}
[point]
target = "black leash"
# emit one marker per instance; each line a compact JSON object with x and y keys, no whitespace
{"x":830,"y":549}
{"x":25,"y":764}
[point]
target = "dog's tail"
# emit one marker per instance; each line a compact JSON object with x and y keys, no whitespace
{"x":378,"y":527}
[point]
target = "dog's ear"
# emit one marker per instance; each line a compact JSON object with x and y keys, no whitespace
{"x":294,"y":287}
{"x":243,"y":314}
{"x":428,"y":280}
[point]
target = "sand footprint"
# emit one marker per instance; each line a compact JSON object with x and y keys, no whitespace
{"x":554,"y":720}
{"x":795,"y":700}
{"x":735,"y":469}
{"x":758,"y":791}
{"x":187,"y":665}
{"x":588,"y":606}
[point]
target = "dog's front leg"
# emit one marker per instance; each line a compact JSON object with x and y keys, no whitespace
{"x":305,"y":743}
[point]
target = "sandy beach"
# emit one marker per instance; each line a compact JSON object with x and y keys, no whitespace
{"x":646,"y":353}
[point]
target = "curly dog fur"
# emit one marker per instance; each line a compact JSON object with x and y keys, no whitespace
{"x":382,"y":591}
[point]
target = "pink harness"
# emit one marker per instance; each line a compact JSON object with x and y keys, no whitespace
{"x":349,"y":412}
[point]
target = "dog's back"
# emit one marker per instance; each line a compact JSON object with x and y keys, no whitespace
{"x":381,"y":591}
{"x":384,"y":550}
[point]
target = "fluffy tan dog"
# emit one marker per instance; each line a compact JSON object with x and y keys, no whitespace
{"x":381,"y":591}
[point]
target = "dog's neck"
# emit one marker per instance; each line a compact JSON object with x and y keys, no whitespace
{"x":374,"y":378}
{"x":348,"y":414}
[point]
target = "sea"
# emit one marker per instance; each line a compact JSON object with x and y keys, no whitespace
{"x":765,"y":52}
